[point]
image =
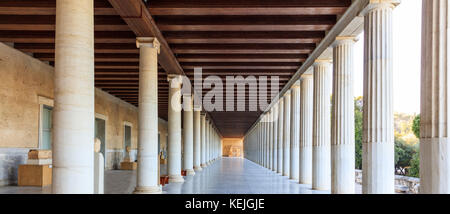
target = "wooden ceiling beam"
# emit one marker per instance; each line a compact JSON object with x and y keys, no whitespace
{"x":139,"y":20}
{"x":46,"y":7}
{"x":248,"y":11}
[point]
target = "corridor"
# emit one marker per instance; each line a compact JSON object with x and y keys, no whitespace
{"x":224,"y":176}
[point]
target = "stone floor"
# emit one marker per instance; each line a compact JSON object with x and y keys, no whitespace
{"x":224,"y":176}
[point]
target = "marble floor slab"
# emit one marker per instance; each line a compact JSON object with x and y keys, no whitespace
{"x":224,"y":176}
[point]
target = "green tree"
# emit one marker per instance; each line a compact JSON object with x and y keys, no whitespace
{"x":416,"y":126}
{"x":403,"y":155}
{"x":414,"y":165}
{"x":358,"y":132}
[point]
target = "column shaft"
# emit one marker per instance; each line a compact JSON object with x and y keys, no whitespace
{"x":321,"y":170}
{"x":148,"y":159}
{"x":275,"y":137}
{"x":280,"y":135}
{"x":435,"y":92}
{"x":188,"y":135}
{"x":295,"y":131}
{"x":343,"y":119}
{"x":306,"y":130}
{"x":174,"y":130}
{"x":378,"y":120}
{"x":197,"y":140}
{"x":287,"y":134}
{"x":203,"y":140}
{"x":73,"y":135}
{"x":270,"y":135}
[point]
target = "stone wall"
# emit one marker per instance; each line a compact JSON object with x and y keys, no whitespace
{"x":230,"y":143}
{"x":403,"y":184}
{"x":26,"y":81}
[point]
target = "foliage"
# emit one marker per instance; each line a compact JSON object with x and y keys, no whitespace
{"x":416,"y":126}
{"x":358,"y":132}
{"x":414,"y":165}
{"x":406,"y":143}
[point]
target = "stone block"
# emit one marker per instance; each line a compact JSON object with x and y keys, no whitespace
{"x":35,"y":175}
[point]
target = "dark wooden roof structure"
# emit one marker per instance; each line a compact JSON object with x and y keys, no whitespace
{"x":224,"y":37}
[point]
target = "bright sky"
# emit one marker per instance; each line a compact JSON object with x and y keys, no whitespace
{"x":407,"y":56}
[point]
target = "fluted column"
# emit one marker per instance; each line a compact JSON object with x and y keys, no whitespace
{"x":280,"y":135}
{"x":378,"y":121}
{"x":435,"y":106}
{"x":275,"y":137}
{"x":321,"y":170}
{"x":306,"y":130}
{"x":263,"y":141}
{"x":286,"y":133}
{"x":197,"y":139}
{"x":174,"y":130}
{"x":295,"y":131}
{"x":266,"y":139}
{"x":343,"y":119}
{"x":203,"y":140}
{"x":188,"y":135}
{"x":207,"y":139}
{"x":270,"y":139}
{"x":73,"y":134}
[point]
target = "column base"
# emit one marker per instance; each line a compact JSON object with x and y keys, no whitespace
{"x":148,"y":190}
{"x":190,"y":172}
{"x":197,"y":168}
{"x":176,"y":179}
{"x":203,"y":165}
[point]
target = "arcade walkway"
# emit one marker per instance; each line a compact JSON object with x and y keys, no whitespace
{"x":224,"y":176}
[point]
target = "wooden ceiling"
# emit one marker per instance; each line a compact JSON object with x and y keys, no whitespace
{"x":224,"y":37}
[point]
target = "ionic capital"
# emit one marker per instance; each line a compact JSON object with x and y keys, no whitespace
{"x":379,"y":4}
{"x":149,"y":42}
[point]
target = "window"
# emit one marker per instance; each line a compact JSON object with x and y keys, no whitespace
{"x":46,"y":128}
{"x":127,"y":137}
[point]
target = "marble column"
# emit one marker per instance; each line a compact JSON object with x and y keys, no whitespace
{"x":265,"y":140}
{"x":306,"y":124}
{"x":321,"y":170}
{"x":295,"y":131}
{"x":280,"y":135}
{"x":203,"y":140}
{"x":73,"y":134}
{"x":208,"y":140}
{"x":197,"y":139}
{"x":343,"y":119}
{"x":287,"y":134}
{"x":378,"y":120}
{"x":174,"y":130}
{"x":188,"y":135}
{"x":435,"y":101}
{"x":148,"y":155}
{"x":270,"y":136}
{"x":275,"y":137}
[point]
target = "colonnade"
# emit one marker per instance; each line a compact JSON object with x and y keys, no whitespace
{"x":192,"y":148}
{"x":325,"y":148}
{"x":326,"y":151}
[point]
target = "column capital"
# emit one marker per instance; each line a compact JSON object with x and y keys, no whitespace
{"x":175,"y":80}
{"x":306,"y":76}
{"x":148,"y":41}
{"x":288,"y":93}
{"x":296,"y":84}
{"x":376,"y":4}
{"x":322,"y":62}
{"x":344,"y":40}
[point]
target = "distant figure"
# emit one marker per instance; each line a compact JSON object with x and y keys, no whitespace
{"x":99,"y":168}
